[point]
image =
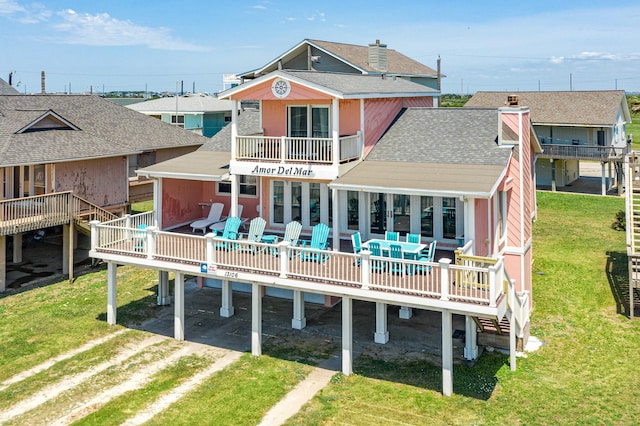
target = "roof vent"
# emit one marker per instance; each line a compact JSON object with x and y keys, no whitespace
{"x":378,"y":56}
{"x":512,"y":100}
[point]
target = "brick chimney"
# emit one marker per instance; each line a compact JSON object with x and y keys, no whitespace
{"x":378,"y":56}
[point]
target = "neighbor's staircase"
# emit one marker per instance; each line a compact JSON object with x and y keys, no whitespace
{"x":632,"y":217}
{"x":43,"y":211}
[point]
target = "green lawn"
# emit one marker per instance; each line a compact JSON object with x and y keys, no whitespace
{"x":587,"y":372}
{"x":634,"y":129}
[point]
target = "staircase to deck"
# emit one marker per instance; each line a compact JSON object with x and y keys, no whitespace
{"x":632,"y":182}
{"x":497,"y":331}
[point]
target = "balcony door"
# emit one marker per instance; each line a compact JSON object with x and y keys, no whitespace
{"x":308,"y":121}
{"x":306,"y":202}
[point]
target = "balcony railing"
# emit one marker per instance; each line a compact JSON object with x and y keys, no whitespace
{"x":582,"y":152}
{"x":285,"y":149}
{"x":443,"y":281}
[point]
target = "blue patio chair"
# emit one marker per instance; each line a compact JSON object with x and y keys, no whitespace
{"x":427,"y":256}
{"x":356,"y":242}
{"x":396,"y":252}
{"x":377,"y":265}
{"x":139,"y":237}
{"x":319,"y":241}
{"x":254,"y":235}
{"x":230,"y":232}
{"x":414,"y":238}
{"x":391,"y":236}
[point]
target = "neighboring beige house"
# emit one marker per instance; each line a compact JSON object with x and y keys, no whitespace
{"x":67,"y":158}
{"x":572,"y":127}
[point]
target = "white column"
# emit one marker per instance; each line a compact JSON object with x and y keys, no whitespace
{"x":299,"y":321}
{"x":604,"y":178}
{"x":157,"y":203}
{"x":3,"y":263}
{"x":70,"y":245}
{"x":335,"y":134}
{"x":17,"y":247}
{"x":227,"y":310}
{"x":447,"y":354}
{"x":256,"y":319}
{"x":336,"y":220}
{"x":405,"y":312}
{"x":112,"y":277}
{"x":178,"y":315}
{"x":234,"y":127}
{"x":235,"y":190}
{"x":382,"y":332}
{"x":347,"y":336}
{"x":163,"y":288}
{"x":471,"y":339}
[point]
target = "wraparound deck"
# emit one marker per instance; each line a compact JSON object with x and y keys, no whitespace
{"x":464,"y":288}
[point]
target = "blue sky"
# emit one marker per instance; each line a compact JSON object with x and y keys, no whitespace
{"x":489,"y":45}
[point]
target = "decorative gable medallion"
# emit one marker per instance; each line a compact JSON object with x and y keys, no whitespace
{"x":280,"y":88}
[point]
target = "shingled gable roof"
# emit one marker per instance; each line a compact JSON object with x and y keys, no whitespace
{"x":574,"y":108}
{"x":342,"y":86}
{"x":6,"y":89}
{"x":435,"y":151}
{"x":102,"y":129}
{"x":353,"y":55}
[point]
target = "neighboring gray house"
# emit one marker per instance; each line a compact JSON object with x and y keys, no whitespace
{"x":572,"y":126}
{"x":376,"y":58}
{"x":198,"y":112}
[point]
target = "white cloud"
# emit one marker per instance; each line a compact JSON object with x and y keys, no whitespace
{"x":259,"y":6}
{"x":33,"y":14}
{"x":103,"y":30}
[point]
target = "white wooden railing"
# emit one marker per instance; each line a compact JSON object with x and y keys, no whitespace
{"x":441,"y":280}
{"x":285,"y":149}
{"x":588,"y":152}
{"x":43,"y":211}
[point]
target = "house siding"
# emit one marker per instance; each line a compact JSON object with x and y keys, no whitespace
{"x":263,"y":91}
{"x":378,"y":115}
{"x":102,"y":181}
{"x":481,"y":227}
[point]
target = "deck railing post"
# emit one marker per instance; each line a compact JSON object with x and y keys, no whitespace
{"x":493,"y":284}
{"x":284,"y":258}
{"x":444,"y":278}
{"x":127,"y":225}
{"x":283,"y":149}
{"x":151,"y":241}
{"x":365,"y":268}
{"x":210,"y":255}
{"x":95,"y":238}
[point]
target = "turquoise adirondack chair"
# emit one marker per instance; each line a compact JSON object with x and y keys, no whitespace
{"x":396,"y":252}
{"x":319,"y":241}
{"x":427,"y":256}
{"x":377,"y":265}
{"x":254,"y":235}
{"x":230,"y":232}
{"x":356,"y":241}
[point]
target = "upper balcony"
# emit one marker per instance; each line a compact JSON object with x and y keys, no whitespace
{"x":284,"y":149}
{"x":582,"y":152}
{"x":323,"y":157}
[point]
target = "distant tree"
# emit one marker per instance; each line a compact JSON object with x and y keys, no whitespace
{"x":452,"y":100}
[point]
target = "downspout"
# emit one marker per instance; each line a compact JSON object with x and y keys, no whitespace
{"x":521,"y":173}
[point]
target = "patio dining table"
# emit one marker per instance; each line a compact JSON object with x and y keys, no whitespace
{"x":411,"y":250}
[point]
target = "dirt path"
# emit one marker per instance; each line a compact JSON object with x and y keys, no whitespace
{"x":166,"y":400}
{"x":69,"y":382}
{"x":49,"y":363}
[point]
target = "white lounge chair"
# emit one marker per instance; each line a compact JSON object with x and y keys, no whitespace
{"x":215,"y":215}
{"x":219,"y":226}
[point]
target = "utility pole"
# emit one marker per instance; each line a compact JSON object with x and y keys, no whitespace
{"x":571,"y":82}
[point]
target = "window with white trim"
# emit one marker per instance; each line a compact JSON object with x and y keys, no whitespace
{"x":248,"y":186}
